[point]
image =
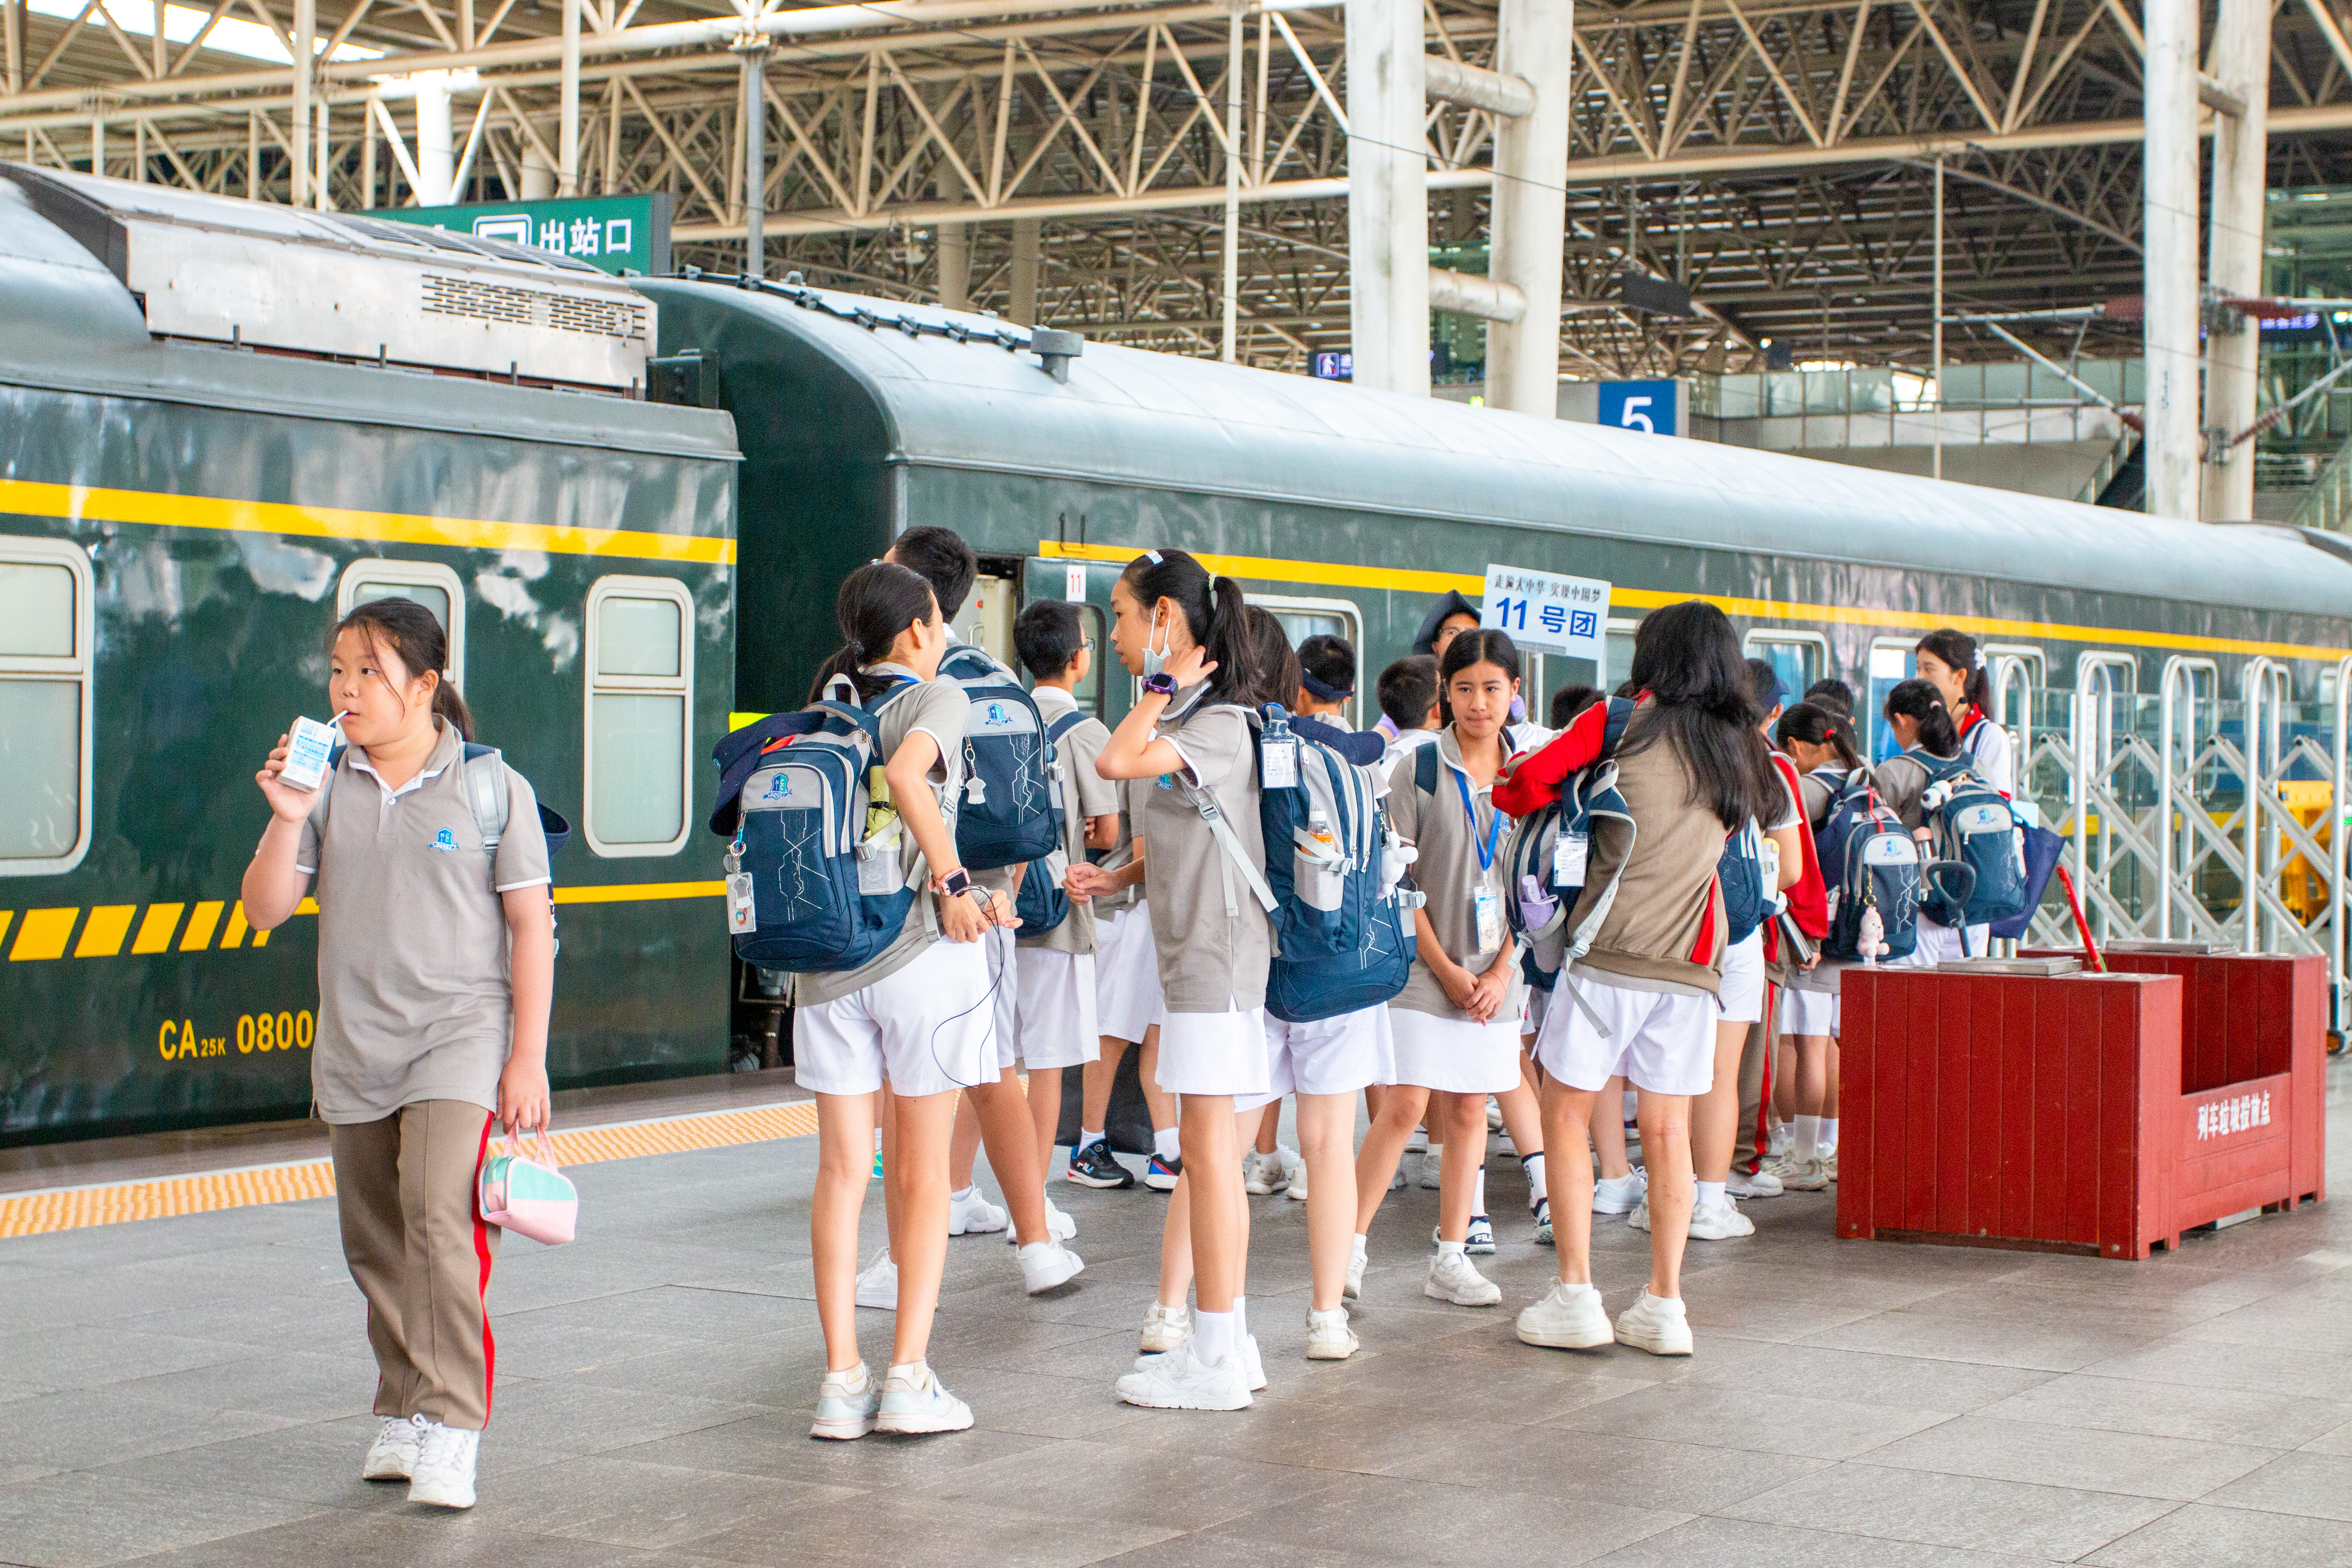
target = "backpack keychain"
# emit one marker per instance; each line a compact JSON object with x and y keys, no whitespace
{"x":741,"y":917}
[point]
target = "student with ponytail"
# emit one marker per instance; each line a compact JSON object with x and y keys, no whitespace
{"x":1821,"y":744}
{"x":1922,"y":722}
{"x":1950,"y":661}
{"x":1187,"y":635}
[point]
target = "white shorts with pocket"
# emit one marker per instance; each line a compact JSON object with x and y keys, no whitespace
{"x":1127,"y":999}
{"x":1330,"y":1055}
{"x":1055,"y":1026}
{"x":1661,"y":1041}
{"x":1215,"y":1053}
{"x":1004,"y":974}
{"x":926,"y":1029}
{"x":1941,"y":944}
{"x":1743,"y":979}
{"x":1809,"y":1013}
{"x":1455,"y":1055}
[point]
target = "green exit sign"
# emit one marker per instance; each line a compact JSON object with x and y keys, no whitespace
{"x":618,"y":234}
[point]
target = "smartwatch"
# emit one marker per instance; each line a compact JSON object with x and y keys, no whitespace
{"x":1159,"y":684}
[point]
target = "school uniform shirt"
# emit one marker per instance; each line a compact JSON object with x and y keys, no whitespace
{"x":1665,"y":929}
{"x":1210,"y":961}
{"x":416,"y":991}
{"x":939,"y":709}
{"x":1821,"y":789}
{"x":1404,"y":744}
{"x":1990,"y":750}
{"x":1084,"y":794}
{"x":1133,"y":794}
{"x":1449,"y":872}
{"x":1902,"y":780}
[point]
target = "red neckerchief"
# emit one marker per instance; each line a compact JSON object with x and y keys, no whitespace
{"x":1970,"y":719}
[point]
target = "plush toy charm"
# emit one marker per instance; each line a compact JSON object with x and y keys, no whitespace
{"x":1870,"y":939}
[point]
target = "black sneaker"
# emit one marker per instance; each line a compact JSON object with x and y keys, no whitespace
{"x":1092,"y":1166}
{"x":1160,"y":1175}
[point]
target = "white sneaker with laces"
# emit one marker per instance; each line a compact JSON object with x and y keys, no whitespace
{"x":1046,"y":1264}
{"x":1640,"y":1219}
{"x":845,"y":1405}
{"x":1570,"y":1317}
{"x":1662,"y":1327}
{"x":444,"y":1476}
{"x":1719,"y":1222}
{"x":1805,"y":1177}
{"x":1261,"y":1173}
{"x":877,"y":1287}
{"x":973,"y":1214}
{"x":1433,"y":1161}
{"x":1295,"y":1168}
{"x":1784,"y":1139}
{"x":1829,"y":1162}
{"x":1617,"y":1194}
{"x":1354,"y":1287}
{"x":1165,"y":1328}
{"x":1454,"y":1278}
{"x":1177,"y":1381}
{"x":1543,"y":1222}
{"x":1396,"y":1182}
{"x":1329,"y":1337}
{"x":1760,"y":1184}
{"x":914,"y":1401}
{"x":392,"y":1455}
{"x":1059,"y":1226}
{"x":1494,"y":1115}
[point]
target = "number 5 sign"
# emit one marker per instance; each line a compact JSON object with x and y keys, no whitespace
{"x":1653,"y":407}
{"x":1546,"y":613}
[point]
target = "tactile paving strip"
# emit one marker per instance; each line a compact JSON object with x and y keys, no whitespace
{"x":72,"y":1208}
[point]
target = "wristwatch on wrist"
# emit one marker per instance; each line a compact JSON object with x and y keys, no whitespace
{"x":1159,"y":684}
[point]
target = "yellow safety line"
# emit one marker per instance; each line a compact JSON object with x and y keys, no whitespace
{"x":1270,"y":569}
{"x":119,"y":1203}
{"x":75,"y":502}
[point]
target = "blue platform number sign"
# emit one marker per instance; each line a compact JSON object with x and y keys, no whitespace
{"x":1546,"y":613}
{"x":1644,"y":405}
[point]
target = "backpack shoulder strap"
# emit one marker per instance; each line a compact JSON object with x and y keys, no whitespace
{"x":1065,"y":723}
{"x":1424,"y":767}
{"x":1620,"y":713}
{"x":487,"y":793}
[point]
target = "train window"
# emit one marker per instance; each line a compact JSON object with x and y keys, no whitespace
{"x":45,"y":706}
{"x":1799,"y":658}
{"x":1620,"y":648}
{"x":428,"y":583}
{"x":1096,"y":629}
{"x":1890,"y":667}
{"x":1304,"y":618}
{"x":637,"y":752}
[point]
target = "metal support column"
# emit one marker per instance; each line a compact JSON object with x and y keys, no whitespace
{"x":1388,"y":196}
{"x":2169,"y":231}
{"x":437,"y":145}
{"x":567,"y":145}
{"x":2241,"y":65}
{"x":954,"y":252}
{"x":1229,"y":341}
{"x":1536,"y":43}
{"x":1021,"y":306}
{"x":306,"y":50}
{"x":1935,"y":350}
{"x":754,"y":52}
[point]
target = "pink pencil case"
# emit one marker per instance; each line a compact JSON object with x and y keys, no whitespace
{"x":527,"y":1195}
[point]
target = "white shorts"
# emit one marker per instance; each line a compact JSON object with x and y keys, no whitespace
{"x":1807,"y":1012}
{"x":1215,"y":1053}
{"x":1661,"y":1041}
{"x":1127,"y":999}
{"x":1941,"y":944}
{"x":999,"y":942}
{"x":1330,"y":1055}
{"x":1455,"y":1055}
{"x":926,"y":1029}
{"x":1056,"y":1009}
{"x":1743,"y":979}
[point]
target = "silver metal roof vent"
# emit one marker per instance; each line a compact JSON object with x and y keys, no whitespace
{"x":341,"y":286}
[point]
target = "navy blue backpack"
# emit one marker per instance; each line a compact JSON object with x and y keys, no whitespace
{"x":1008,"y":814}
{"x":1532,"y":854}
{"x":1042,"y":903}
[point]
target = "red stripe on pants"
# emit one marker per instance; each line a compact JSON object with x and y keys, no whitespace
{"x":482,"y":1255}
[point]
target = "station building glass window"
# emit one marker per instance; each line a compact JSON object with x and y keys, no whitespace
{"x":45,"y":629}
{"x":638,"y":751}
{"x":428,"y":583}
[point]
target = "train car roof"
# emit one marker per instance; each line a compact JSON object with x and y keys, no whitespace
{"x":954,"y":395}
{"x":75,"y":325}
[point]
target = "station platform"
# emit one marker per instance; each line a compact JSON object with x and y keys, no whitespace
{"x":194,"y":1388}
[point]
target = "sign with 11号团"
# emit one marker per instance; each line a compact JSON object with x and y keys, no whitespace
{"x":1546,"y":613}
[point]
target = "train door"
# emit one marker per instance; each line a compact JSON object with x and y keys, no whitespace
{"x":988,"y":615}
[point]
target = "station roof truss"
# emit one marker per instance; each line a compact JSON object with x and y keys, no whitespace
{"x":1775,"y":155}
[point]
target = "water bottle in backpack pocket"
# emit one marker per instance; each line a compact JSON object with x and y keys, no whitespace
{"x":1008,"y":813}
{"x":1970,"y":822}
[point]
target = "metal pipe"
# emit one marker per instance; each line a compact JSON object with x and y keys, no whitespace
{"x":436,"y":153}
{"x":1021,"y":304}
{"x":1489,"y":299}
{"x":1496,"y":91}
{"x":953,"y":246}
{"x":2254,"y":683}
{"x":2170,"y":224}
{"x":2185,"y":668}
{"x":1935,"y":468}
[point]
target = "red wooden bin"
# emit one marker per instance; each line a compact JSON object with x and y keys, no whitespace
{"x":2052,"y":1112}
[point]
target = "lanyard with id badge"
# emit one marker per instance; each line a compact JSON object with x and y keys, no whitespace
{"x":1486,"y":903}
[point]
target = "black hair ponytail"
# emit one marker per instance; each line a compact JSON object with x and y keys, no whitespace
{"x":877,"y":602}
{"x":1215,"y":614}
{"x":1958,"y":651}
{"x":414,"y":637}
{"x":1688,"y":657}
{"x":1924,"y":700}
{"x":1818,"y":726}
{"x":1278,"y":670}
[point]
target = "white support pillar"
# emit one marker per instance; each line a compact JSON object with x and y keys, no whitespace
{"x":321,"y":184}
{"x":538,"y":174}
{"x":567,"y":148}
{"x":2240,"y":64}
{"x":1021,"y":307}
{"x":437,"y":149}
{"x":1229,"y":341}
{"x":1388,"y":196}
{"x":306,"y":52}
{"x":1537,"y":45}
{"x":2169,"y":231}
{"x":1936,"y":334}
{"x":953,"y":249}
{"x":97,"y":145}
{"x":755,"y":155}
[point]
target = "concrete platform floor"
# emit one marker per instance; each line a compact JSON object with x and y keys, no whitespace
{"x":195,"y":1390}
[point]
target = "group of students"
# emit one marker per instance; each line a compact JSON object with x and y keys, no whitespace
{"x":423,"y":1046}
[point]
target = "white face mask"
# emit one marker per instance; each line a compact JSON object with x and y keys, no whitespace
{"x":1155,"y":659}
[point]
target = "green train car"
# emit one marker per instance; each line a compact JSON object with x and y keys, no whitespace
{"x":223,"y":423}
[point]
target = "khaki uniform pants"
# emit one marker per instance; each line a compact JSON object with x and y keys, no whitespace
{"x":421,"y":1255}
{"x":1755,"y":1065}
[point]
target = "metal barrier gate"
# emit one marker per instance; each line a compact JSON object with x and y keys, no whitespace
{"x":2189,"y":814}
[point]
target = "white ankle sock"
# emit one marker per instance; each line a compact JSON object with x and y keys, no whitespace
{"x":1807,"y":1145}
{"x":1212,"y":1337}
{"x":1479,"y":1192}
{"x":1829,"y":1132}
{"x":1711,"y":1193}
{"x":1453,"y":1247}
{"x":1166,"y":1143}
{"x":1357,"y":1248}
{"x":1088,"y":1139}
{"x":1534,"y":1164}
{"x":1241,"y":1318}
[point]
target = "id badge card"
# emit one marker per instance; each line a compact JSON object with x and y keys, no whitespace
{"x":1568,"y":858}
{"x":1277,"y":766}
{"x":1488,"y":905}
{"x":741,"y":917}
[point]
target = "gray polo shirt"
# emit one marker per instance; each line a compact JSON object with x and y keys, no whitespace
{"x":1209,"y":961}
{"x":1084,"y":794}
{"x":1449,"y":872}
{"x":416,"y":996}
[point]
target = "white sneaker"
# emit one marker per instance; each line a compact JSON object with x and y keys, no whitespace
{"x":1396,"y":1182}
{"x":1762,"y":1184}
{"x":392,"y":1455}
{"x":1568,"y":1318}
{"x":877,"y":1287}
{"x":1805,"y":1177}
{"x":1640,"y":1219}
{"x":444,"y":1476}
{"x":973,"y":1214}
{"x":1433,"y":1161}
{"x":1719,"y":1222}
{"x":1354,"y":1287}
{"x":1329,"y":1337}
{"x":1059,"y":1227}
{"x":1783,"y":1140}
{"x":1616,"y":1195}
{"x":1261,"y":1173}
{"x":1177,"y":1381}
{"x":1454,"y":1278}
{"x":845,"y":1405}
{"x":1046,"y":1264}
{"x":914,"y":1400}
{"x":1494,"y":1115}
{"x":1253,"y":1364}
{"x":1294,"y":1169}
{"x":1829,"y":1162}
{"x":1479,"y":1238}
{"x":1543,"y":1222}
{"x":1662,"y":1327}
{"x":1165,"y":1328}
